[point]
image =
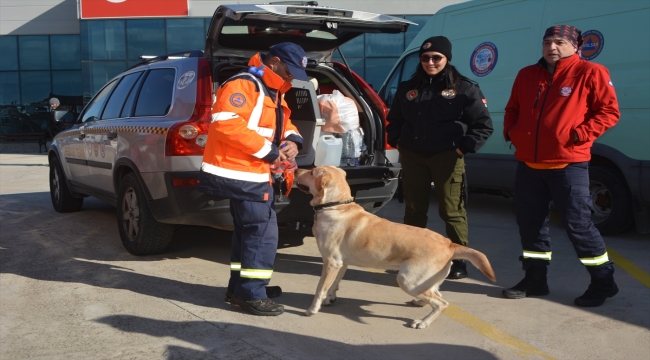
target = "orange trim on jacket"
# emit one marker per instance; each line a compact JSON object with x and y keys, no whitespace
{"x":545,"y":111}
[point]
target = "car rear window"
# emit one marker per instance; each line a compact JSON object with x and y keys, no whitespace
{"x":155,"y":97}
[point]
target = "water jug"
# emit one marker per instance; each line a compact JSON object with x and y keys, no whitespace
{"x":328,"y":151}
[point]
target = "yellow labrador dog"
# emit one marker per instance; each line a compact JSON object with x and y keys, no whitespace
{"x":348,"y":235}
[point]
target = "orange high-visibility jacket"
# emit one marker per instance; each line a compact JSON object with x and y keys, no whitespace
{"x":246,"y":130}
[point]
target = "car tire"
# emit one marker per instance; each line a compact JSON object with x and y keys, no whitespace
{"x":62,"y":199}
{"x":140,"y":232}
{"x":611,"y":200}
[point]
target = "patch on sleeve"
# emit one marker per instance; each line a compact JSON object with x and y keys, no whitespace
{"x":610,"y":83}
{"x":566,"y":91}
{"x":237,"y":100}
{"x":484,"y":102}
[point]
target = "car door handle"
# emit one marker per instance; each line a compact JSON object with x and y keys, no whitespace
{"x":82,"y":136}
{"x":111,"y":135}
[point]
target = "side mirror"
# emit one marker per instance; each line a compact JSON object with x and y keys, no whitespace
{"x":61,"y":120}
{"x":64,"y":116}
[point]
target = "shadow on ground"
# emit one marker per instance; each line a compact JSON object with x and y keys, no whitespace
{"x":234,"y":341}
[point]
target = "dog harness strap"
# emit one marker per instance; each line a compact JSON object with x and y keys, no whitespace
{"x":330,"y":204}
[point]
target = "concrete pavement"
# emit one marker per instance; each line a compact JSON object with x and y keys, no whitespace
{"x":68,"y":289}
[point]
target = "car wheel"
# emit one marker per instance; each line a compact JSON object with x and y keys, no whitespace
{"x":612,"y":202}
{"x":62,"y":199}
{"x":140,"y":232}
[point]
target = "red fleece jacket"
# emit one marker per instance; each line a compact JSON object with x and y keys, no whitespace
{"x":545,"y":111}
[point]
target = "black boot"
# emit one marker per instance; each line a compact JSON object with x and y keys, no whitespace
{"x":458,"y":270}
{"x":271,"y":292}
{"x":602,"y":286}
{"x":534,"y":284}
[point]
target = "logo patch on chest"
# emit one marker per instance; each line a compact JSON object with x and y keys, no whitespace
{"x":410,"y":95}
{"x":448,"y":93}
{"x":566,"y":91}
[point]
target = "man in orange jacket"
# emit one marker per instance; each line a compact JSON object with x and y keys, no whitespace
{"x":557,"y":109}
{"x":251,"y":130}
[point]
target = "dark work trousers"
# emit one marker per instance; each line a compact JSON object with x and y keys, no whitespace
{"x":254,"y":245}
{"x":445,"y":169}
{"x":568,"y":189}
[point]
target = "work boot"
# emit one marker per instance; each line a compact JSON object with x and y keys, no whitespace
{"x":602,"y":286}
{"x":534,"y":284}
{"x":261,"y":307}
{"x":271,"y":292}
{"x":458,"y":270}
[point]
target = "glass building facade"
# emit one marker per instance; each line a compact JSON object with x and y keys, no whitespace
{"x":72,"y":68}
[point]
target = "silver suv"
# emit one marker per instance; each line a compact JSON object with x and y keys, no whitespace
{"x":138,"y":144}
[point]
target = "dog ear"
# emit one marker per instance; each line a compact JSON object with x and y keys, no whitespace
{"x":321,"y":182}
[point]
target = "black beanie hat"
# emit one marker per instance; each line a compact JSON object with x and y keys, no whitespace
{"x":437,"y":43}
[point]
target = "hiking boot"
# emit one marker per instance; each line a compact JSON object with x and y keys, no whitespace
{"x":596,"y":295}
{"x":534,"y":284}
{"x":261,"y":307}
{"x":271,"y":292}
{"x":458,"y":270}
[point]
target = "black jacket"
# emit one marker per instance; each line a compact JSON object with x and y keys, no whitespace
{"x":427,"y":123}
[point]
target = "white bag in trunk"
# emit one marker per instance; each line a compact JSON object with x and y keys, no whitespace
{"x":339,"y":111}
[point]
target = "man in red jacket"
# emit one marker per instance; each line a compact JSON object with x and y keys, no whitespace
{"x":557,"y":109}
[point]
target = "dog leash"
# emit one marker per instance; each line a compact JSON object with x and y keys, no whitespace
{"x":330,"y":204}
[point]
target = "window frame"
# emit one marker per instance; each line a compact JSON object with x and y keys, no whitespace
{"x":93,"y":100}
{"x":133,"y":86}
{"x":141,"y":86}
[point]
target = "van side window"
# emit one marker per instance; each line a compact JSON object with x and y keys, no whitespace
{"x":155,"y":97}
{"x":388,"y":92}
{"x":410,"y":64}
{"x":95,"y":107}
{"x":403,"y":72}
{"x":116,"y":102}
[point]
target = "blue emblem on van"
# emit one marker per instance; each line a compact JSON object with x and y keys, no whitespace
{"x":483,"y":59}
{"x":593,"y":43}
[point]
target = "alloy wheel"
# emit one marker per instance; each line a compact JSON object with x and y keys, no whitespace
{"x":56,"y":185}
{"x":601,"y":200}
{"x":131,"y":214}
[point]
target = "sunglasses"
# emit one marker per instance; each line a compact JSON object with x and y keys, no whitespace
{"x":435,"y":58}
{"x":286,"y":69}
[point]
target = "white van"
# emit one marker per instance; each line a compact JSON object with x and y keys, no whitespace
{"x":492,"y":40}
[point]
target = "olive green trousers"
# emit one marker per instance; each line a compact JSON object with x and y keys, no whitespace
{"x":445,"y":169}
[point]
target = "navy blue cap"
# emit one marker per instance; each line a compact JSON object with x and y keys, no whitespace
{"x":295,"y":58}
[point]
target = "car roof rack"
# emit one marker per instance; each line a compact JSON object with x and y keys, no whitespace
{"x":298,"y":3}
{"x":148,"y":59}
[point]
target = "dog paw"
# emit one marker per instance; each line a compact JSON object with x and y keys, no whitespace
{"x":329,"y":300}
{"x":311,"y":312}
{"x":419,"y":302}
{"x":418,"y":324}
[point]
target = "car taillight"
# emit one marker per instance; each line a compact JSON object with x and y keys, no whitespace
{"x":188,"y":138}
{"x":375,"y":99}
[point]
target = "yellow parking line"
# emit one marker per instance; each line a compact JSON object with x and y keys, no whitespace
{"x":629,"y":267}
{"x":520,"y":347}
{"x":463,"y":317}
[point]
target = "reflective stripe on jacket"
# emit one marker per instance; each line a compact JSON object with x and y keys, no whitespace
{"x":242,"y":139}
{"x":545,"y":111}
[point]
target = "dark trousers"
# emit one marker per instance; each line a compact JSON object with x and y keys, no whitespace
{"x":254,"y":245}
{"x":445,"y":169}
{"x":568,"y":189}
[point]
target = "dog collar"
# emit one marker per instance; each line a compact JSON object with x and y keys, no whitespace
{"x":330,"y":204}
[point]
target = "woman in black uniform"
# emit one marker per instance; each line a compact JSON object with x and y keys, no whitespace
{"x":437,"y":117}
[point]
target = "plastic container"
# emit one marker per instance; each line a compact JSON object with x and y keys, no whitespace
{"x":328,"y":151}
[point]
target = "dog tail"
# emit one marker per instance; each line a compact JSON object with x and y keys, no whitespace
{"x":477,"y":259}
